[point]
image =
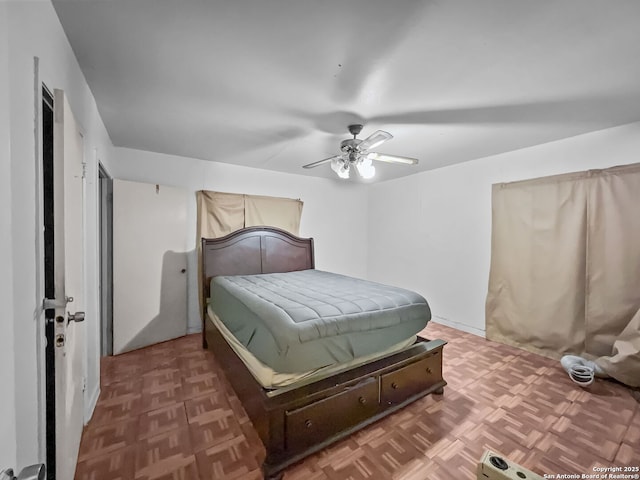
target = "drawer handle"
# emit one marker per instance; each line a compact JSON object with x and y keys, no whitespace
{"x":394,"y":385}
{"x":308,"y":423}
{"x":362,"y":400}
{"x":429,"y":370}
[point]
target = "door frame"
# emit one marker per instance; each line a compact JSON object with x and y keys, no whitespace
{"x":105,"y":260}
{"x":39,"y":314}
{"x":45,"y":366}
{"x":47,"y":321}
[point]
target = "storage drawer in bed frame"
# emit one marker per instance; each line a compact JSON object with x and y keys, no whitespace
{"x":331,"y":415}
{"x":404,"y":382}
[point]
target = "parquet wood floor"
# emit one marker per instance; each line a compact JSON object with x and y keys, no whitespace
{"x":167,"y":412}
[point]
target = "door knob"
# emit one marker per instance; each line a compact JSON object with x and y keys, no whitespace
{"x":76,"y":317}
{"x":7,"y":474}
{"x":33,"y":472}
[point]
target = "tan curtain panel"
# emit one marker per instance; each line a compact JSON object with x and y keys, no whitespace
{"x":613,"y":273}
{"x":623,"y":363}
{"x":222,"y":213}
{"x":565,"y":268}
{"x":283,"y":213}
{"x":219,"y":213}
{"x":538,"y":278}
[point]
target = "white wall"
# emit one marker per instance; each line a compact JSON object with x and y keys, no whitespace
{"x":432,"y":232}
{"x":7,"y":372}
{"x":33,"y":30}
{"x":334,"y":212}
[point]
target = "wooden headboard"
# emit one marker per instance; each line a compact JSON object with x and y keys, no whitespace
{"x":254,"y":250}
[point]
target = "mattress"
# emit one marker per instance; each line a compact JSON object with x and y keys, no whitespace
{"x":301,"y":321}
{"x":272,"y":380}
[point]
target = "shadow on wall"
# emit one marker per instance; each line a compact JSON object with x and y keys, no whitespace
{"x":171,"y":320}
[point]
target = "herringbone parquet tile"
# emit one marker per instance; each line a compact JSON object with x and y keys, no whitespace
{"x":169,"y":451}
{"x":118,"y":401}
{"x":167,"y":411}
{"x":104,"y":439}
{"x":116,"y":465}
{"x":230,"y":458}
{"x":632,"y":436}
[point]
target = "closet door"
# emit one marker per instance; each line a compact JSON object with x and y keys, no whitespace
{"x":149,"y":264}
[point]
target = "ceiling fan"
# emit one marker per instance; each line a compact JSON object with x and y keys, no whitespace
{"x":355,"y":153}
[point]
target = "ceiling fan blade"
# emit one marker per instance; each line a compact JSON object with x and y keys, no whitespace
{"x":376,"y":138}
{"x":382,"y":157}
{"x":321,"y":162}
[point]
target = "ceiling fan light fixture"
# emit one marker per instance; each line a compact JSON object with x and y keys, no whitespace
{"x":355,"y":153}
{"x":365,"y":168}
{"x":344,"y":172}
{"x":340,"y":167}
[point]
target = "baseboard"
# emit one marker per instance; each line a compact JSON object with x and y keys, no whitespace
{"x":91,"y":405}
{"x":458,"y":326}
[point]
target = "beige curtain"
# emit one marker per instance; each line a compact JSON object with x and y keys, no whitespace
{"x":613,"y":273}
{"x":222,"y":213}
{"x":283,"y":213}
{"x":565,"y":268}
{"x":219,"y":213}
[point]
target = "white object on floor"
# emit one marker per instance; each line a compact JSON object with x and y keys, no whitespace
{"x":569,"y":360}
{"x":581,"y":374}
{"x":581,"y":370}
{"x":493,"y":466}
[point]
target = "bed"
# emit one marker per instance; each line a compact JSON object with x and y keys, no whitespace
{"x":339,"y":372}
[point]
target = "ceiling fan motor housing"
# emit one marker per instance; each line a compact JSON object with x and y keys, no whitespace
{"x":355,"y":129}
{"x":349,"y":145}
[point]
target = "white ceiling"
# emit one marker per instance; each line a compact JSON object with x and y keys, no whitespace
{"x":274,"y":84}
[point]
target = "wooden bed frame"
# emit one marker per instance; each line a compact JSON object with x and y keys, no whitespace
{"x":294,"y":422}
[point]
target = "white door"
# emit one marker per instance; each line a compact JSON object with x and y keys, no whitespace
{"x":149,"y":264}
{"x":69,"y":286}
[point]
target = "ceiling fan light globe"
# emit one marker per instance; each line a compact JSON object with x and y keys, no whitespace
{"x":343,"y":172}
{"x":366,"y":170}
{"x":341,"y":167}
{"x":366,"y":161}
